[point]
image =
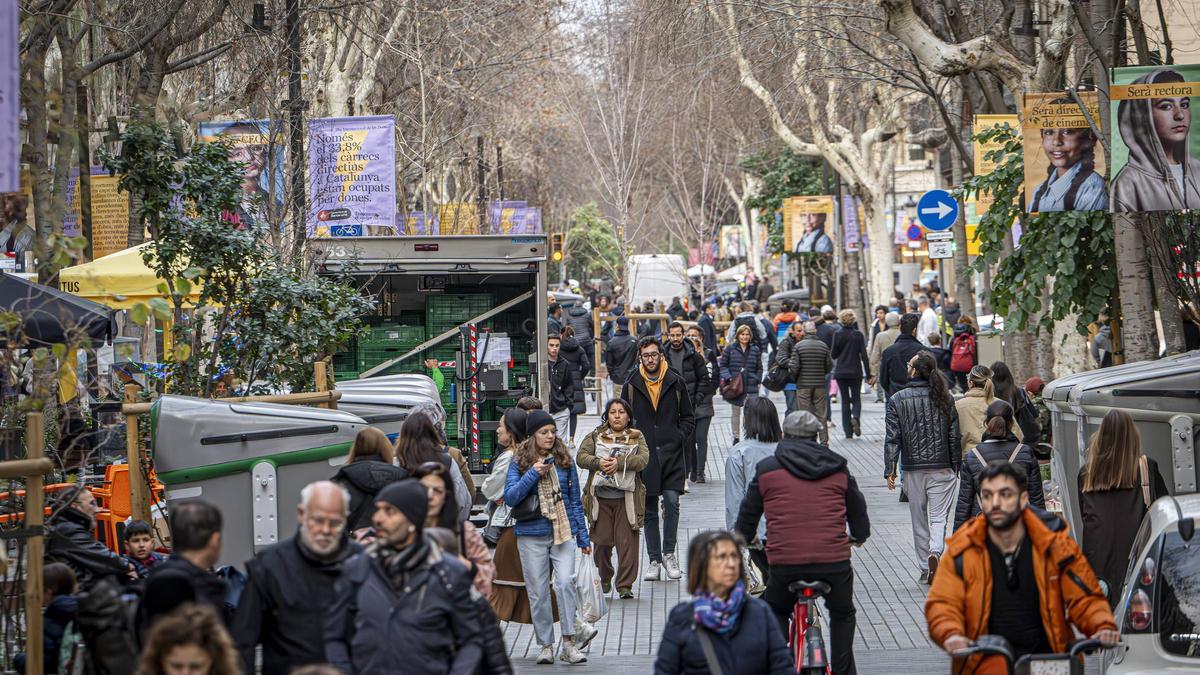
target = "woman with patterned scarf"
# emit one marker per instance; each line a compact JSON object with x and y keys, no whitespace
{"x":614,"y":498}
{"x":722,"y":629}
{"x":548,"y":530}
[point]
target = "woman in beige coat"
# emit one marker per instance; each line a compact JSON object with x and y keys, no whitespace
{"x":972,"y":408}
{"x":614,"y":498}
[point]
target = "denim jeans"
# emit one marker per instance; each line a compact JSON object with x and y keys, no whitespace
{"x":789,"y":399}
{"x":656,"y":547}
{"x":538,"y":556}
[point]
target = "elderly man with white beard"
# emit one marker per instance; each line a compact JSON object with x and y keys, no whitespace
{"x":290,"y":584}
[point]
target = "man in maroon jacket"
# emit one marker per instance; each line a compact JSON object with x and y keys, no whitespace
{"x":808,"y":497}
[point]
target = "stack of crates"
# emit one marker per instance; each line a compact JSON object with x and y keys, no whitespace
{"x":442,"y":312}
{"x":345,"y":363}
{"x":386,"y":342}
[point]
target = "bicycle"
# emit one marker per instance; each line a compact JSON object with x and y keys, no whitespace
{"x":805,"y":636}
{"x":1033,"y":664}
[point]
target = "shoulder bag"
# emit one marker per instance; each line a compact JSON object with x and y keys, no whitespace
{"x":529,"y":508}
{"x":732,"y":389}
{"x":706,"y":645}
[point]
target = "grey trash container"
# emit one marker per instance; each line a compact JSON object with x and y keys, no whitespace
{"x":249,"y":459}
{"x":1163,"y":397}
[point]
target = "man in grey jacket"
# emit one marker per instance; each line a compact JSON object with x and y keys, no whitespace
{"x":811,"y":362}
{"x":881,"y":342}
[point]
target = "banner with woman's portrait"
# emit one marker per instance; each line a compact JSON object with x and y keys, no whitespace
{"x":260,"y":147}
{"x":1064,"y":159}
{"x":1156,"y":147}
{"x":809,"y":225}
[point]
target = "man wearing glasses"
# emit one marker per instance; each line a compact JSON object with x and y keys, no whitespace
{"x":1014,"y":571}
{"x":662,"y":411}
{"x":289,"y":585}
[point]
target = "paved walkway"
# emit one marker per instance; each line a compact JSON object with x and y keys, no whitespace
{"x":891,"y":635}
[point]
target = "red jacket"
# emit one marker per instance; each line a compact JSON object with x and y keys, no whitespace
{"x":808,"y":496}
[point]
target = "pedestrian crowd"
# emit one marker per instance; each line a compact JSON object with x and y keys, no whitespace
{"x":386,"y":573}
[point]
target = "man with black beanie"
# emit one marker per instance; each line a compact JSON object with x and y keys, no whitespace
{"x":403,"y":585}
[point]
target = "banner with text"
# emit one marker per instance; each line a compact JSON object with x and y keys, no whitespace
{"x":10,"y":98}
{"x":852,"y":217}
{"x":352,"y":177}
{"x":258,"y":146}
{"x":808,"y":224}
{"x":110,"y":212}
{"x":734,"y":242}
{"x":1064,"y":161}
{"x":983,"y":165}
{"x":1156,"y":155}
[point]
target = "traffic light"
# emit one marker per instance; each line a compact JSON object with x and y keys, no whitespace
{"x":556,"y":246}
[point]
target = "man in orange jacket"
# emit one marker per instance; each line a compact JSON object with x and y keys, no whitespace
{"x":1013,"y":571}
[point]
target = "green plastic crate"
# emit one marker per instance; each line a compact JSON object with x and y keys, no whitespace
{"x":392,"y":333}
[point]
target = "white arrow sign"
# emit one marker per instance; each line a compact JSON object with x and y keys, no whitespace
{"x":942,"y":209}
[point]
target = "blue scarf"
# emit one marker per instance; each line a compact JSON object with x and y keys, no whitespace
{"x":719,"y":616}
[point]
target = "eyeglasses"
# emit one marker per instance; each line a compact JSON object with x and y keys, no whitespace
{"x":728,"y":557}
{"x":651,"y":356}
{"x":321,"y":523}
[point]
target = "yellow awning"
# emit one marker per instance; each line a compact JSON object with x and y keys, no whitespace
{"x":119,"y":280}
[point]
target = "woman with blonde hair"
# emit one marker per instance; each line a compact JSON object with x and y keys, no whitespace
{"x":972,"y":408}
{"x":742,"y":359}
{"x":189,"y":641}
{"x":368,"y":468}
{"x":1117,"y":485}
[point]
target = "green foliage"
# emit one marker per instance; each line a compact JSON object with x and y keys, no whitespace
{"x":234,"y":307}
{"x":591,"y":247}
{"x":784,"y":174}
{"x":1074,"y":248}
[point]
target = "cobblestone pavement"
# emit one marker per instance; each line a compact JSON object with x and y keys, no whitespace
{"x":891,"y":634}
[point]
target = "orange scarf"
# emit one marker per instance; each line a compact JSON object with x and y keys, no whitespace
{"x":654,"y":386}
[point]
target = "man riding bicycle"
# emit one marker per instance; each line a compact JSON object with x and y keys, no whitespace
{"x":1013,"y":571}
{"x":808,"y":497}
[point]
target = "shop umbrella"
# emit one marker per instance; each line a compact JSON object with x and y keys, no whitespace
{"x":49,"y":316}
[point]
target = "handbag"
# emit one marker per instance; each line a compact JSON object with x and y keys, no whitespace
{"x":624,"y":479}
{"x":732,"y":390}
{"x":527,"y":509}
{"x":777,"y":378}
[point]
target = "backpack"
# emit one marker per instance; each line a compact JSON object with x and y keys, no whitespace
{"x":962,"y":354}
{"x":751,"y":321}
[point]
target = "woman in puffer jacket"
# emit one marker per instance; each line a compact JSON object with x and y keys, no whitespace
{"x":999,"y":445}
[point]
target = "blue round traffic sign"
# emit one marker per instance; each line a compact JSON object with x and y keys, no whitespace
{"x":937,"y":210}
{"x":914,"y":232}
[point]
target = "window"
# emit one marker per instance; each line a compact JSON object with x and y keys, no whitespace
{"x":916,"y":153}
{"x":1178,"y":606}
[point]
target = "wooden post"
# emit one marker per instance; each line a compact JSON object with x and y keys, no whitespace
{"x":139,"y":492}
{"x":35,"y":548}
{"x":601,"y":371}
{"x":321,"y":377}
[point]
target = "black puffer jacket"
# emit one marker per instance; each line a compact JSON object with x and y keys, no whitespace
{"x":580,"y":320}
{"x":748,"y":362}
{"x":364,"y":478}
{"x":574,"y":352}
{"x":621,"y":357}
{"x":693,"y":370}
{"x":995,"y":450}
{"x":920,"y":434}
{"x":703,"y":404}
{"x":562,"y":385}
{"x":71,"y":542}
{"x":811,"y":361}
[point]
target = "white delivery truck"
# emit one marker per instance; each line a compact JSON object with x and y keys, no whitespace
{"x":656,"y":278}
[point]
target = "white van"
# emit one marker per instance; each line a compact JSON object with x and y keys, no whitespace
{"x":656,"y":278}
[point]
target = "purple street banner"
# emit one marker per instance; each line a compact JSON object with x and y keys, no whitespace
{"x":415,"y":223}
{"x":521,"y":220}
{"x":852,"y":217}
{"x":258,"y":146}
{"x":352,"y":177}
{"x":10,"y":99}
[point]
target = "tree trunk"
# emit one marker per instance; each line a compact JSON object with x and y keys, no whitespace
{"x":1138,"y":333}
{"x":963,"y":290}
{"x":879,"y":267}
{"x":1070,"y":349}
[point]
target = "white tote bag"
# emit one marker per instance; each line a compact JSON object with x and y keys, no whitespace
{"x":592,"y":606}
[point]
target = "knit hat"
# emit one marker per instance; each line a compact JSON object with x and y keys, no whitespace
{"x":801,"y":424}
{"x":537,"y":419}
{"x":891,"y":319}
{"x":408,"y":495}
{"x":1034,"y":385}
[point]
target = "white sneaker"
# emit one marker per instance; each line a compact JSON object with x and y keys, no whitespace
{"x":653,"y":572}
{"x":570,"y":653}
{"x":672,"y":566}
{"x":584,"y":634}
{"x":546,"y":656}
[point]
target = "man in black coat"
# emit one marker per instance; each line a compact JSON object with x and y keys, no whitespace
{"x":708,"y":329}
{"x":662,"y":411}
{"x":71,"y":542}
{"x":290,"y":585}
{"x":621,"y":355}
{"x":562,"y":386}
{"x":893,"y":370}
{"x":402,"y":585}
{"x":682,"y":357}
{"x":187,"y":575}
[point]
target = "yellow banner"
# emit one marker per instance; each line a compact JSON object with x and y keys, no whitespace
{"x":985,"y":166}
{"x":1056,"y":111}
{"x":110,"y":216}
{"x":1125,"y":92}
{"x":457,"y":218}
{"x":802,"y":217}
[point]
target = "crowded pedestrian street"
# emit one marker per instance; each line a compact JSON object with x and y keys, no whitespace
{"x":892,"y":636}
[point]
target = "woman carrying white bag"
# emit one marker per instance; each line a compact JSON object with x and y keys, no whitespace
{"x":614,"y":498}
